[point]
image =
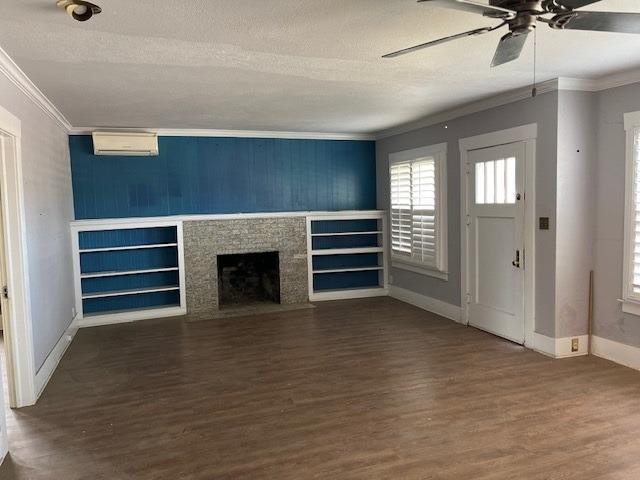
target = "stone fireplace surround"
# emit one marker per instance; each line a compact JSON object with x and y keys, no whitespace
{"x":204,"y":240}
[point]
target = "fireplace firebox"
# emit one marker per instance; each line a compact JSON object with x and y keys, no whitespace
{"x":248,"y":279}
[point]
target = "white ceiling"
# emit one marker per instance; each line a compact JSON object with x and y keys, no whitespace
{"x":283,"y":65}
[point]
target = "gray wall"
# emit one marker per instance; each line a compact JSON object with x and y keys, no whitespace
{"x":609,"y":321}
{"x":575,"y":222}
{"x":48,"y":203}
{"x":541,"y":110}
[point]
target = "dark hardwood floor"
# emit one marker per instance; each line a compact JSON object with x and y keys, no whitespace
{"x":365,"y":389}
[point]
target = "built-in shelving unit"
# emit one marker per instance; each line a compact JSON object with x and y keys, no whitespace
{"x":347,"y":255}
{"x":125,"y":272}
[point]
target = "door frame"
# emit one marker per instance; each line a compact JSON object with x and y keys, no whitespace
{"x":527,"y":134}
{"x":18,"y":333}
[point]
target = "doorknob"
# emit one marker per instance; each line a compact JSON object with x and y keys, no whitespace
{"x":516,"y":262}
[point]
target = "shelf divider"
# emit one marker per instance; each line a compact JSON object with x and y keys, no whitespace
{"x":128,"y":247}
{"x":132,"y":291}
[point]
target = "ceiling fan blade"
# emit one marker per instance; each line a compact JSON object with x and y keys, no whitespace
{"x":471,"y":6}
{"x":509,"y":48}
{"x":600,"y":21}
{"x":573,"y":4}
{"x":471,"y":33}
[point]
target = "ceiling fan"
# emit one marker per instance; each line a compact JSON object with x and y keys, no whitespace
{"x":521,"y":16}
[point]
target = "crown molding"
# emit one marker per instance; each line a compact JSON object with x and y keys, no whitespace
{"x":578,"y":84}
{"x":15,"y":74}
{"x":561,"y":83}
{"x":189,"y":132}
{"x":618,"y":80}
{"x":470,"y":108}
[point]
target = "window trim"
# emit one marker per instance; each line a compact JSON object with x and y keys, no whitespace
{"x":439,"y":153}
{"x":630,"y":300}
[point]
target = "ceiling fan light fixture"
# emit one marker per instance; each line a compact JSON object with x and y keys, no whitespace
{"x":521,"y":17}
{"x":79,"y":9}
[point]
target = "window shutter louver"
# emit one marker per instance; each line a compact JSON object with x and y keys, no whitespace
{"x":401,"y":208}
{"x":636,"y":204}
{"x":423,"y":216}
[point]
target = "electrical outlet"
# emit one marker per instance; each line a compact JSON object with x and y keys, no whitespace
{"x":575,"y":344}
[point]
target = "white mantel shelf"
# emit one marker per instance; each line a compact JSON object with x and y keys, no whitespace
{"x":136,"y":221}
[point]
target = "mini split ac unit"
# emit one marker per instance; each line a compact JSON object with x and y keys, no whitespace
{"x":120,"y":143}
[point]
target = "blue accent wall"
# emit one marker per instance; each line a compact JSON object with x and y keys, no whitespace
{"x":201,"y":175}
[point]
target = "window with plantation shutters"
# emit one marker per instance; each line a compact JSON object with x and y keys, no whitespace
{"x":635,"y":281}
{"x":417,"y":186}
{"x":631,"y":285}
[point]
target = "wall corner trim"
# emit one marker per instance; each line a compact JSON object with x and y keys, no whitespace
{"x":53,"y":359}
{"x":617,"y":352}
{"x":20,"y":79}
{"x":433,"y":305}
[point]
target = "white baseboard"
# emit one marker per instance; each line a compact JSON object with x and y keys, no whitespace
{"x":545,"y":345}
{"x":433,"y":305}
{"x":133,"y":316}
{"x":51,"y":363}
{"x":560,"y":347}
{"x":621,"y":353}
{"x":4,"y":439}
{"x":348,"y":294}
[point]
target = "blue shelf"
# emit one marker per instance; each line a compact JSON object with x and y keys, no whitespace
{"x":126,"y":237}
{"x":345,"y":241}
{"x":343,"y":226}
{"x":347,"y":255}
{"x":95,"y":306}
{"x":345,"y":280}
{"x":322,"y":262}
{"x":127,"y":270}
{"x":127,"y":282}
{"x":128,"y":260}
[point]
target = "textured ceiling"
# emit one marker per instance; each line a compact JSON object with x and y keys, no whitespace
{"x":292,"y":65}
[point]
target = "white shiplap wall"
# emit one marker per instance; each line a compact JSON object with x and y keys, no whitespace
{"x":48,"y":211}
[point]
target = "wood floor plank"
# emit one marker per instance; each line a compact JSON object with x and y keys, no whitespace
{"x":362,"y":389}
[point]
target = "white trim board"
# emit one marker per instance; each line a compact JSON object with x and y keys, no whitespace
{"x":18,"y":337}
{"x":132,"y":316}
{"x":157,"y":221}
{"x":433,"y":305}
{"x":617,"y":352}
{"x":223,"y":133}
{"x":348,"y":294}
{"x":53,"y":359}
{"x":20,"y":79}
{"x":560,"y":347}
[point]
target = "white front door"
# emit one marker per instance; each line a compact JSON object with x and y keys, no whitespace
{"x":496,"y":256}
